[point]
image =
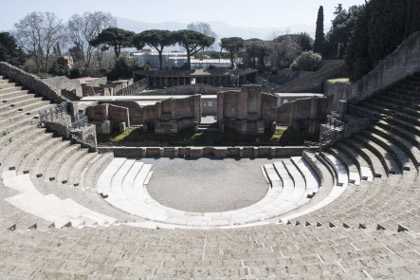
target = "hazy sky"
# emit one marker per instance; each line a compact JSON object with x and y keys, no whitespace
{"x":257,"y":13}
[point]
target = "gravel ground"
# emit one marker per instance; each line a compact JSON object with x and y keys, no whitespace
{"x":206,"y":185}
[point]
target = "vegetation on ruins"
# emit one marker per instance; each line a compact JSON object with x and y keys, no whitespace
{"x":232,"y":45}
{"x":307,"y":61}
{"x":59,"y":67}
{"x":192,"y":42}
{"x":158,"y":39}
{"x":9,"y":50}
{"x":319,"y":33}
{"x":114,"y":37}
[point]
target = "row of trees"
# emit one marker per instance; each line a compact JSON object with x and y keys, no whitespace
{"x":94,"y":41}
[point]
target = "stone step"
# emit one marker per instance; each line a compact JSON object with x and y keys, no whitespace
{"x":364,"y":167}
{"x":16,"y":96}
{"x":14,"y":135}
{"x":398,"y":98}
{"x":95,"y":170}
{"x":36,"y":154}
{"x":389,"y":103}
{"x":388,"y":161}
{"x":50,"y":170}
{"x":408,"y":118}
{"x":402,"y":158}
{"x":11,"y":105}
{"x":310,"y":177}
{"x":104,"y":181}
{"x":339,"y":169}
{"x":75,"y":171}
{"x":351,"y":168}
{"x":414,"y":130}
{"x":412,"y":138}
{"x":10,"y":147}
{"x":68,"y":164}
{"x":374,"y":162}
{"x":412,"y":151}
{"x":50,"y":207}
{"x":271,"y":175}
{"x":9,"y":88}
{"x":24,"y":150}
{"x":36,"y":105}
{"x":38,"y":168}
{"x":376,"y":107}
{"x":22,"y":118}
{"x":412,"y":112}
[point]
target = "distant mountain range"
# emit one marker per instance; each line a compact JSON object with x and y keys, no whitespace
{"x":222,"y":29}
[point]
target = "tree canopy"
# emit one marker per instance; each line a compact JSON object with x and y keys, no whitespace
{"x":232,"y":45}
{"x":9,"y":51}
{"x":379,"y":28}
{"x":158,"y":39}
{"x":82,"y":29}
{"x":38,"y":33}
{"x":192,"y":42}
{"x":319,"y":33}
{"x":115,"y":37}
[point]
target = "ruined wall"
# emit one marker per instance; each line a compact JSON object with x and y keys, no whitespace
{"x":186,"y":90}
{"x":65,"y":84}
{"x":305,"y":113}
{"x":248,"y":111}
{"x":314,"y":82}
{"x":133,"y":89}
{"x":172,"y":115}
{"x":31,"y":82}
{"x":107,"y":116}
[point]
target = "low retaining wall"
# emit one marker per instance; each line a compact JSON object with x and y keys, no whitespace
{"x":199,"y":152}
{"x":31,"y":82}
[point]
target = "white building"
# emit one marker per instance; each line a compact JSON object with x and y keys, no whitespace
{"x":175,"y":59}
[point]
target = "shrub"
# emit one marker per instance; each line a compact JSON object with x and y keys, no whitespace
{"x":307,"y":61}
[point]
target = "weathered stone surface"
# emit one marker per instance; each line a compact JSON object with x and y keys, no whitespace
{"x":172,"y":115}
{"x":248,"y":111}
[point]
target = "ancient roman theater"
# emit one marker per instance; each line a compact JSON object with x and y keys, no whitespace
{"x":346,"y":207}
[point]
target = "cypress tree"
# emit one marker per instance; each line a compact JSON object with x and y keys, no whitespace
{"x":319,"y":33}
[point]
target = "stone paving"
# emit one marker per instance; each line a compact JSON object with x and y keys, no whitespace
{"x":205,"y":185}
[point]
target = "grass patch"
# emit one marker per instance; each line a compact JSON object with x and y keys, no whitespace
{"x":283,"y":136}
{"x":339,"y":80}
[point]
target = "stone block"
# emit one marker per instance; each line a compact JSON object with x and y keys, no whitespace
{"x":123,"y":127}
{"x":220,"y":152}
{"x":154,"y":152}
{"x":196,"y":152}
{"x":104,"y":127}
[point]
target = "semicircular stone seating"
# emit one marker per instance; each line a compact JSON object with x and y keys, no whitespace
{"x":350,"y":212}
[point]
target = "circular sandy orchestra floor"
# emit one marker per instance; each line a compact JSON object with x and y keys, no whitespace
{"x":207,"y":185}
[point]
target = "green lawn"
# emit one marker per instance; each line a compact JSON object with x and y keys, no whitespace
{"x":283,"y":136}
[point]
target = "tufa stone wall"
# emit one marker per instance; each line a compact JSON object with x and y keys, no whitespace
{"x":66,"y":86}
{"x":186,"y":90}
{"x":314,"y":82}
{"x":172,"y":115}
{"x":108,"y":117}
{"x":31,"y":82}
{"x":210,"y":152}
{"x":248,"y":111}
{"x":303,"y":113}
